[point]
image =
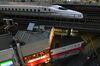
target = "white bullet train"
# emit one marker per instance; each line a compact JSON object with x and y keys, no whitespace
{"x":35,"y":10}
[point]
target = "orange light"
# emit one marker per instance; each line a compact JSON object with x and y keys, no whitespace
{"x":43,"y":59}
{"x":25,"y":58}
{"x":48,"y":59}
{"x":34,"y":55}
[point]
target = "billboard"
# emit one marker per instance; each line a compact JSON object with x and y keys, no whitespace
{"x":7,"y":63}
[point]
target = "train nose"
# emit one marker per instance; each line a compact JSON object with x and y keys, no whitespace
{"x":79,"y":15}
{"x":75,"y":14}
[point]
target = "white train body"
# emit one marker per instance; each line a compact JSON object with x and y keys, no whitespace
{"x":66,"y":51}
{"x":58,"y":53}
{"x":34,"y":10}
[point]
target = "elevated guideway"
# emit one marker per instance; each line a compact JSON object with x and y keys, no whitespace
{"x":90,"y":22}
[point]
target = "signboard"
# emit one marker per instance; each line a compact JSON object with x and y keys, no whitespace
{"x":7,"y":63}
{"x":35,"y":55}
{"x":30,"y":26}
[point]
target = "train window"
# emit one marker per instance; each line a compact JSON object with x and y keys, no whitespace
{"x":8,"y":8}
{"x":34,"y":10}
{"x":62,"y":8}
{"x":2,"y":9}
{"x":48,"y":9}
{"x":5,"y":9}
{"x":23,"y":9}
{"x":26,"y":9}
{"x":19,"y":9}
{"x":31,"y":10}
{"x":38,"y":10}
{"x":45,"y":9}
{"x":16,"y":9}
{"x":12,"y":9}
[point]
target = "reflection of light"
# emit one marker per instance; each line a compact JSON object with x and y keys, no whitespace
{"x":34,"y":55}
{"x":31,"y":64}
{"x":46,"y":61}
{"x":68,"y":0}
{"x":37,"y":59}
{"x":25,"y":58}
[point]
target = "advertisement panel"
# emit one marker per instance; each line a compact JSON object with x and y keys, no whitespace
{"x":6,"y":63}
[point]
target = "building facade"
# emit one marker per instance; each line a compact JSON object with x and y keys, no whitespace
{"x":51,"y":1}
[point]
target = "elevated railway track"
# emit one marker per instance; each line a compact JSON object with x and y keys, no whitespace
{"x":87,"y":23}
{"x":91,"y":20}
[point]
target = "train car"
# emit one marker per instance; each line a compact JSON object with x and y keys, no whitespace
{"x":36,"y":10}
{"x":37,"y":52}
{"x":57,"y":46}
{"x":62,"y":45}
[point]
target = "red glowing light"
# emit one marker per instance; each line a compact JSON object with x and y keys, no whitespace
{"x":38,"y":60}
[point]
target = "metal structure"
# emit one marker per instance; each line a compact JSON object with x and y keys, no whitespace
{"x":8,"y":55}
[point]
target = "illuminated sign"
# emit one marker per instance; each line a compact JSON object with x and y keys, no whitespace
{"x":60,"y":31}
{"x":39,"y":60}
{"x":7,"y":63}
{"x":35,"y":55}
